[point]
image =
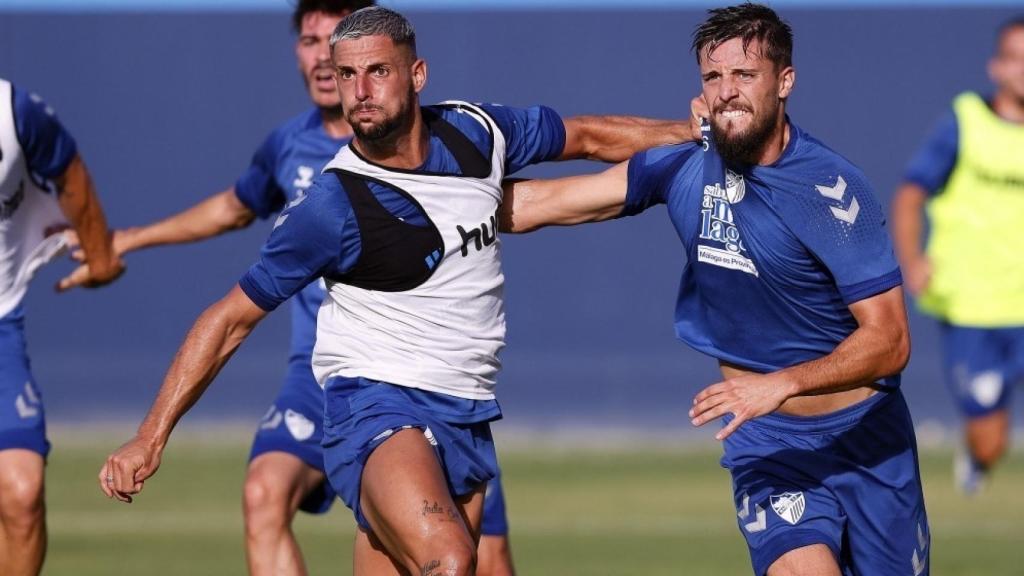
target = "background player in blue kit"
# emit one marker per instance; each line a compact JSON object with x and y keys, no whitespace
{"x":402,"y":226}
{"x":791,"y":283}
{"x":44,"y":186}
{"x":970,"y":176}
{"x":286,"y":469}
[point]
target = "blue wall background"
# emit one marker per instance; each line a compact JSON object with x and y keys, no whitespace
{"x":168,"y":107}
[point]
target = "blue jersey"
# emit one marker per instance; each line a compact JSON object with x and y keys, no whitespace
{"x":776,"y":254}
{"x":48,"y":147}
{"x":323,"y":237}
{"x":282,"y":169}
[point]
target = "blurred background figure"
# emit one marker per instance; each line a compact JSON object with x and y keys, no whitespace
{"x":969,"y":178}
{"x":44,"y":187}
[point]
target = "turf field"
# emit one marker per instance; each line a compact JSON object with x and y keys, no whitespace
{"x":573,"y":512}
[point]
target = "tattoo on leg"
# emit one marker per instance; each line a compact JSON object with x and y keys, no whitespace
{"x":434,"y":508}
{"x":433,"y":568}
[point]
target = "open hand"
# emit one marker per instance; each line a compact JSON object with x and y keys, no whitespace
{"x":745,"y":397}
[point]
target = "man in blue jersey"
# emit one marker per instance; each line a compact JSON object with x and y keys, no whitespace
{"x":970,"y":176}
{"x":44,"y":187}
{"x":792,"y":285}
{"x":286,"y":470}
{"x":402,"y":227}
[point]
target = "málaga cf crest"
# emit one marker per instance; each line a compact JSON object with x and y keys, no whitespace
{"x":789,"y":506}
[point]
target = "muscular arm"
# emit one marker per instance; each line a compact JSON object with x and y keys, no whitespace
{"x":879,"y":347}
{"x":617,"y":138}
{"x":532,"y":204}
{"x":81,"y":206}
{"x":907,"y":231}
{"x":212,"y":340}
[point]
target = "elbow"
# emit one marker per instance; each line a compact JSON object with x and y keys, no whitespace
{"x":899,"y":350}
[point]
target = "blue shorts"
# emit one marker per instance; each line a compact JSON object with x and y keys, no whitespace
{"x":495,"y":521}
{"x":361,"y":414}
{"x":982,"y":366}
{"x":849,"y":480}
{"x":294,"y":425}
{"x":22,"y":420}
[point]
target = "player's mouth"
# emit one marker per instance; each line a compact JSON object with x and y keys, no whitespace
{"x":733,"y":113}
{"x":323,"y":79}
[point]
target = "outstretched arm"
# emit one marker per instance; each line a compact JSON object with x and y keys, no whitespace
{"x":211,"y":217}
{"x":907,"y":232}
{"x":617,"y":138}
{"x":210,"y":343}
{"x":879,"y":347}
{"x":81,"y":206}
{"x":532,"y":204}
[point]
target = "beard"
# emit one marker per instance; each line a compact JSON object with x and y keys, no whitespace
{"x":383,"y":129}
{"x":743,"y":147}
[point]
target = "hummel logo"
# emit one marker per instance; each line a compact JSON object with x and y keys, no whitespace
{"x":27,"y":404}
{"x":760,"y":521}
{"x":837,"y":192}
{"x":920,"y":562}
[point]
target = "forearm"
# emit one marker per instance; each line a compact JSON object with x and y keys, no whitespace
{"x":213,"y":339}
{"x":216,"y":215}
{"x":617,"y":138}
{"x":908,"y":222}
{"x":81,"y":206}
{"x":869,"y":354}
{"x":531,"y":204}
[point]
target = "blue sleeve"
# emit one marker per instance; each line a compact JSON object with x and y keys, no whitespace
{"x":846,"y":233}
{"x":307,"y":242}
{"x":651,"y":174}
{"x":934,"y":161}
{"x":532,"y":135}
{"x":257,"y":188}
{"x":49,"y":148}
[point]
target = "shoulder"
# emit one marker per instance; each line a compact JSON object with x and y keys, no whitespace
{"x":293,"y":128}
{"x":816,"y":167}
{"x":673,"y":158}
{"x":470,"y":119}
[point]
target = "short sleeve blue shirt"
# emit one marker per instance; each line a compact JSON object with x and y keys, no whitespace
{"x":776,"y":254}
{"x":48,"y":147}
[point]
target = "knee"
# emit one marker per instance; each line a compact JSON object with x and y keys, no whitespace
{"x":21,"y":501}
{"x":988,"y":453}
{"x":265,"y":497}
{"x":456,"y":559}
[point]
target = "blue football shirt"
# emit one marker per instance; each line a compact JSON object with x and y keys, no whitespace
{"x":775,"y":254}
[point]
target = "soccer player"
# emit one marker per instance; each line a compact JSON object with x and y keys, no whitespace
{"x":44,"y":186}
{"x":970,"y":175}
{"x":402,"y":226}
{"x":792,"y":285}
{"x":286,"y":469}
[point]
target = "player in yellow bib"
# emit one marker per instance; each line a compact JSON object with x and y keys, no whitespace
{"x":969,"y":178}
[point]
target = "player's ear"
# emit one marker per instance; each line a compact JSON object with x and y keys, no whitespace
{"x":787,"y":78}
{"x":419,"y":74}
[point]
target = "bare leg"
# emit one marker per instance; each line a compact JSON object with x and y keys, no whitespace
{"x":22,"y":512}
{"x":275,"y":485}
{"x":988,"y":437}
{"x":494,"y":556}
{"x":418,"y":528}
{"x":813,"y":560}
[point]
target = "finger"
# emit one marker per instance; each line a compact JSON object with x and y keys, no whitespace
{"x":104,"y":482}
{"x":78,"y":277}
{"x":730,"y":427}
{"x":713,"y":413}
{"x":707,"y":393}
{"x":124,"y":477}
{"x":78,"y":255}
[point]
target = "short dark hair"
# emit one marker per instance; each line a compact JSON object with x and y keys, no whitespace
{"x":376,"y":21}
{"x":750,"y":22}
{"x":303,"y":7}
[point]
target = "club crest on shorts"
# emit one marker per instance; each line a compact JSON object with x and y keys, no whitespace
{"x":789,"y":506}
{"x":300,"y":427}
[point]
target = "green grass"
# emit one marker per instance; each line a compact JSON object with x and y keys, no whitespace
{"x":573,"y":512}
